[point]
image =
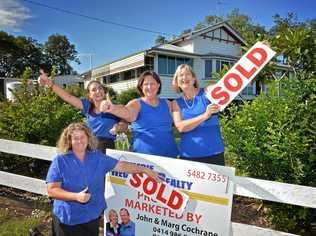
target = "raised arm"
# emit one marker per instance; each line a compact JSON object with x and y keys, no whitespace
{"x":129,"y":112}
{"x":190,"y":124}
{"x":63,"y":94}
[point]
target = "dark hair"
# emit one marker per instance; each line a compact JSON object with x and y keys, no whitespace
{"x":124,"y":209}
{"x":142,"y":78}
{"x":88,"y":90}
{"x":46,"y":68}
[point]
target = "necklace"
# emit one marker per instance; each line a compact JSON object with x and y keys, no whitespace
{"x":187,"y":104}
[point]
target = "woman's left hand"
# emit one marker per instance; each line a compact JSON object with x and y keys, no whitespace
{"x":211,"y":109}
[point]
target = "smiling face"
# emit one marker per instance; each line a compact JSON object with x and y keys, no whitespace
{"x":185,"y":79}
{"x":124,"y":215}
{"x":96,"y":92}
{"x":113,"y":217}
{"x":150,"y":87}
{"x":79,"y":140}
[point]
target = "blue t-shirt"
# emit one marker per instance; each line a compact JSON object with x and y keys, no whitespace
{"x":75,"y":176}
{"x":205,"y":140}
{"x":100,"y":123}
{"x":152,"y":130}
{"x":127,"y":230}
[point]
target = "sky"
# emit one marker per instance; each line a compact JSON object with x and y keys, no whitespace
{"x":99,"y":42}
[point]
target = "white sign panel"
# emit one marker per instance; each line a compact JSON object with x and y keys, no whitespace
{"x":240,"y":75}
{"x":143,"y":210}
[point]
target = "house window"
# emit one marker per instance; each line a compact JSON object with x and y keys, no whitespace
{"x":81,"y":85}
{"x":114,"y":78}
{"x":180,"y":61}
{"x":167,"y":65}
{"x":162,"y":65}
{"x":248,"y":90}
{"x":171,"y":65}
{"x":220,"y":65}
{"x":208,"y":68}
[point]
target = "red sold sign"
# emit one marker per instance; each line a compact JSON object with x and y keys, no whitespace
{"x":240,"y":75}
{"x":161,"y":192}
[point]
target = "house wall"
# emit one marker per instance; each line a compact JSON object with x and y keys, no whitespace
{"x":207,"y":45}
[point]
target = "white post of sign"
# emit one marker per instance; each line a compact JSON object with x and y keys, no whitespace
{"x":240,"y":75}
{"x":143,"y":207}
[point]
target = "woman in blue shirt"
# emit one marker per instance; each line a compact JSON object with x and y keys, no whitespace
{"x":104,"y":126}
{"x":150,"y":116}
{"x":197,"y":120}
{"x":75,"y":180}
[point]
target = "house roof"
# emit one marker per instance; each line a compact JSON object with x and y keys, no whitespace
{"x":171,"y":47}
{"x":204,"y":30}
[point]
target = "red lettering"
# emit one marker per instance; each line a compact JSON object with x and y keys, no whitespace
{"x":175,"y":200}
{"x":147,"y":182}
{"x":136,"y":181}
{"x":227,"y":82}
{"x":160,"y":193}
{"x":189,"y":216}
{"x":218,"y":94}
{"x":253,"y":56}
{"x":244,"y":72}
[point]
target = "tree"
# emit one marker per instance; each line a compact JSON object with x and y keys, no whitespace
{"x":160,"y":39}
{"x":273,"y":137}
{"x":186,"y":31}
{"x":60,"y":52}
{"x":212,"y":19}
{"x":127,"y":95}
{"x":36,"y":116}
{"x":199,"y":26}
{"x":17,"y":53}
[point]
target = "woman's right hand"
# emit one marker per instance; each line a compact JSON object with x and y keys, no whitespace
{"x":106,"y":106}
{"x":43,"y":79}
{"x":83,"y":196}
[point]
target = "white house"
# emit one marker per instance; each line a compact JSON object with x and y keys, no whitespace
{"x":7,"y":85}
{"x":206,"y":50}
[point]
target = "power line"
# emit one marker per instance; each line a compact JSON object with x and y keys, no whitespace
{"x":97,"y":19}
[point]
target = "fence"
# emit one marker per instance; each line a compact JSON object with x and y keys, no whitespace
{"x":247,"y":187}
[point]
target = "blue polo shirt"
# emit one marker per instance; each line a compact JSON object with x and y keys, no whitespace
{"x":100,"y":123}
{"x":75,"y":176}
{"x":128,"y":230}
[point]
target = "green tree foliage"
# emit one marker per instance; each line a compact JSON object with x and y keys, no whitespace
{"x":127,"y":95}
{"x":160,"y":39}
{"x":36,"y":116}
{"x":17,"y":53}
{"x":273,"y":137}
{"x":59,"y":52}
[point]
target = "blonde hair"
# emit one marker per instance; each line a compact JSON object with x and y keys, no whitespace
{"x":64,"y":141}
{"x":175,"y":84}
{"x":111,"y":212}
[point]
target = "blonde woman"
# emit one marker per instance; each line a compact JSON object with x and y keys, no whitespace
{"x":113,"y":227}
{"x":196,"y":119}
{"x":75,"y":180}
{"x":104,"y":126}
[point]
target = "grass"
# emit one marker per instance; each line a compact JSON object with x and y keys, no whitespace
{"x":12,"y":226}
